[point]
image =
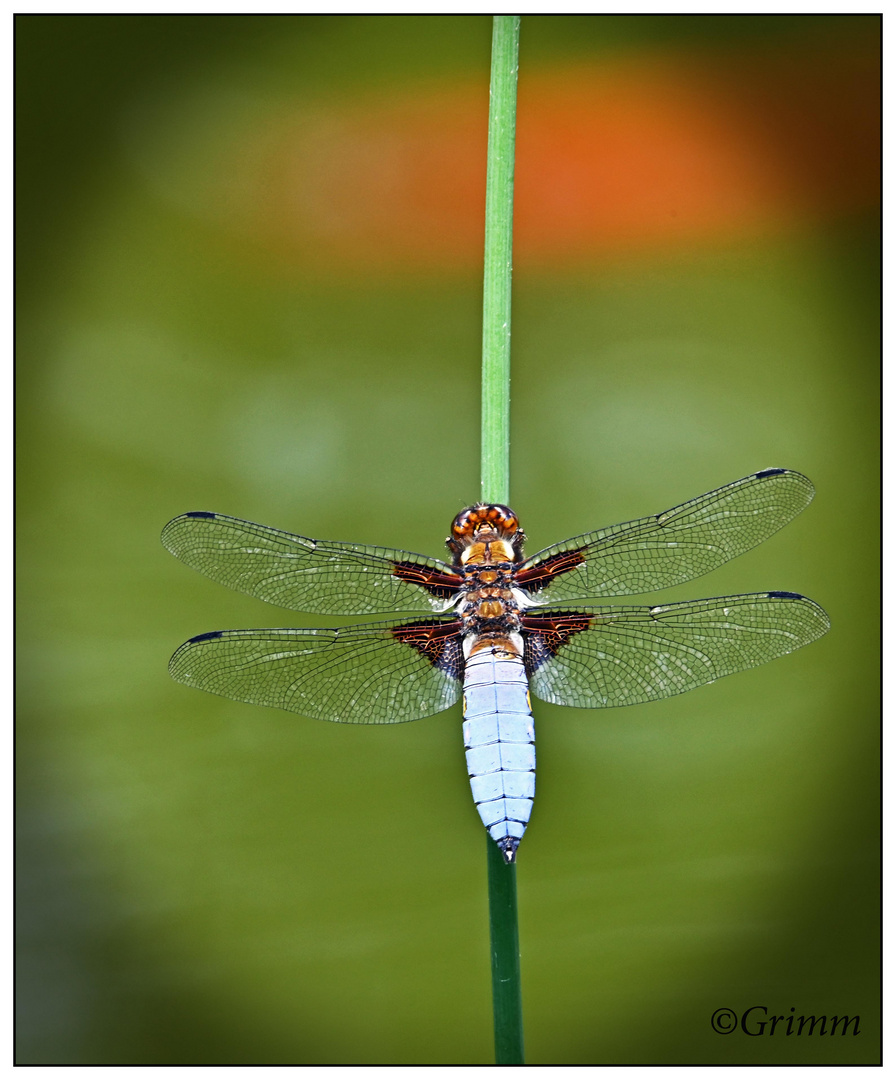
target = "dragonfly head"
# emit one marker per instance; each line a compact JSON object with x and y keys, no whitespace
{"x":486,"y":526}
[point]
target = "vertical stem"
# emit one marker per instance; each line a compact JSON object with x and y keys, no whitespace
{"x":506,"y":993}
{"x":507,"y":1001}
{"x":498,"y":261}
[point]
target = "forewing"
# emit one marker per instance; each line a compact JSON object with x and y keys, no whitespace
{"x":664,"y":550}
{"x":378,"y":673}
{"x":607,"y":656}
{"x":323,"y":577}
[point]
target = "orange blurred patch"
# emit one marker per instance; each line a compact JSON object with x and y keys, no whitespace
{"x":655,"y":154}
{"x":610,"y":158}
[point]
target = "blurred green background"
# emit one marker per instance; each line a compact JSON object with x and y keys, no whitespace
{"x":249,"y":281}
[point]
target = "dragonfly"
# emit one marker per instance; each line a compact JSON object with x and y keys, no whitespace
{"x":491,"y":625}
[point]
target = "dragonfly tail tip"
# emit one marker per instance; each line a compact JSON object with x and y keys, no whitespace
{"x":508,"y":848}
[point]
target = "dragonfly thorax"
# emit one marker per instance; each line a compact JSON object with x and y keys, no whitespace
{"x":489,"y":603}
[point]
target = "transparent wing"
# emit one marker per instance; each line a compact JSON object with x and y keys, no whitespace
{"x":610,"y":656}
{"x":664,"y":550}
{"x":319,"y":576}
{"x":378,"y":673}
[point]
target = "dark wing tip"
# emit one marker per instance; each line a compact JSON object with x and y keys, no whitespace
{"x":173,"y":524}
{"x":183,"y":652}
{"x":793,"y":480}
{"x":820,"y":616}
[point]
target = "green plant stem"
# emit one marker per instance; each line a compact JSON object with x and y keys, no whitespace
{"x":507,"y":1001}
{"x":498,"y":261}
{"x":505,"y":951}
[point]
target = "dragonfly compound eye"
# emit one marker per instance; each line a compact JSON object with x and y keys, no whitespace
{"x":490,"y":516}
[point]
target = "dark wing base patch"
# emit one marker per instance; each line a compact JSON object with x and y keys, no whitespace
{"x":440,"y":643}
{"x":547,"y":633}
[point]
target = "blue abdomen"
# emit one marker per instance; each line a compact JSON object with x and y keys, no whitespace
{"x":499,"y":735}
